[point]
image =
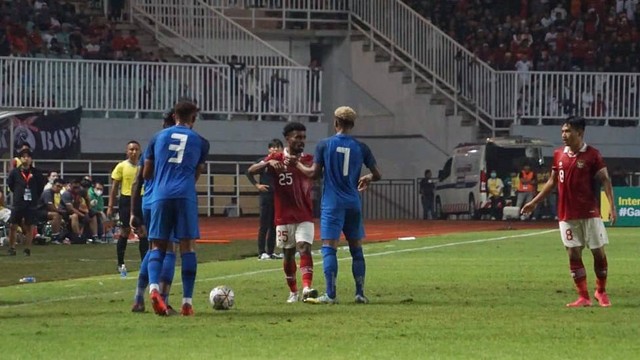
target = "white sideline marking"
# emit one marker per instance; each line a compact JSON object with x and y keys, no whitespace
{"x":258,"y":272}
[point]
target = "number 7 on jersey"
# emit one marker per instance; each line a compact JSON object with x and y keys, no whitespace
{"x":345,"y":165}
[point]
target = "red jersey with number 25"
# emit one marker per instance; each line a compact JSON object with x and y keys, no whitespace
{"x":577,"y":188}
{"x":292,"y":192}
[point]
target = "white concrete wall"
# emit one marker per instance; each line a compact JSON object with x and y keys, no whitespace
{"x":405,"y":131}
{"x":613,"y":142}
{"x":226,"y":137}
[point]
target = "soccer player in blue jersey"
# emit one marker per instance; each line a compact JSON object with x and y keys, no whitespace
{"x":174,"y":159}
{"x":339,"y":160}
{"x":169,"y":263}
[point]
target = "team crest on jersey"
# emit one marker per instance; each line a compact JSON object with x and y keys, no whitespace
{"x":560,"y":164}
{"x":580,"y":164}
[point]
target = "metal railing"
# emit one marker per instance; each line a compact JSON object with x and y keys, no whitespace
{"x":391,"y":199}
{"x":495,"y":98}
{"x":224,"y":180}
{"x":429,"y":54}
{"x":286,"y":14}
{"x":198,"y":29}
{"x":601,"y":98}
{"x":124,"y":88}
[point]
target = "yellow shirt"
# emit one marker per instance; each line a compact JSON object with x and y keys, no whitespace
{"x":495,"y":186}
{"x":125,"y":173}
{"x":56,"y":200}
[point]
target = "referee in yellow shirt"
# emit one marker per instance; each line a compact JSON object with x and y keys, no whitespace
{"x":122,"y":178}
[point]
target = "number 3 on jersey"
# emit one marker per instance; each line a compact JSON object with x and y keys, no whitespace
{"x":178,"y":148}
{"x":345,"y":165}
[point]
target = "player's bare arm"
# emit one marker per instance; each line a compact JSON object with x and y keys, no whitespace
{"x":546,"y":190}
{"x":200,"y":170}
{"x":254,"y":182}
{"x":147,"y":172}
{"x":257,"y":167}
{"x":87,"y":203}
{"x":365,"y":180}
{"x":135,"y":196}
{"x":603,"y":177}
{"x":314,"y":171}
{"x":73,"y":210}
{"x":115,"y":184}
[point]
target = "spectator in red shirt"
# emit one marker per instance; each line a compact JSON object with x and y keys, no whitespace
{"x":118,"y":44}
{"x":131,"y":42}
{"x":579,"y":48}
{"x":591,"y":24}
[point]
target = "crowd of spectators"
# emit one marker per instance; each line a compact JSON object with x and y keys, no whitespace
{"x":545,"y":35}
{"x":59,"y":29}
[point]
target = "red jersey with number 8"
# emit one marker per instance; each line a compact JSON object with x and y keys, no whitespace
{"x":292,"y":191}
{"x":578,"y":190}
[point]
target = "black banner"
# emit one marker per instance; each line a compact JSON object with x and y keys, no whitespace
{"x":53,"y":136}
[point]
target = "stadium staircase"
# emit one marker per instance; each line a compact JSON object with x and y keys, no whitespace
{"x":439,"y":71}
{"x":389,"y":32}
{"x":428,"y":59}
{"x":198,"y":30}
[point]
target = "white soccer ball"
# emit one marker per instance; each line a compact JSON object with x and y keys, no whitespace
{"x":221,"y":298}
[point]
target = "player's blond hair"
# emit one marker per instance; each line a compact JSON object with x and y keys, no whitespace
{"x":345,"y":113}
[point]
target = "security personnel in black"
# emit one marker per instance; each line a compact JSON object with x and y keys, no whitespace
{"x":267,"y":231}
{"x":26,"y":183}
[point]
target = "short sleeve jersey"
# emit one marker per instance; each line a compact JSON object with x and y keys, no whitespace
{"x":125,"y":173}
{"x":48,"y":197}
{"x":342,"y":158}
{"x":292,"y":192}
{"x":147,"y":185}
{"x":577,"y":197}
{"x":176,"y":153}
{"x":68,"y":198}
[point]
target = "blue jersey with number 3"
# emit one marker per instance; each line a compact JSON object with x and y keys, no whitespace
{"x":342,"y":157}
{"x":176,"y":153}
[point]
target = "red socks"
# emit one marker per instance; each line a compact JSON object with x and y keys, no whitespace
{"x":579,"y":275}
{"x":600,"y":267}
{"x":306,"y":268}
{"x":290,"y":275}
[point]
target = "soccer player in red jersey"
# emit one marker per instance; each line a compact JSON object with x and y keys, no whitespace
{"x":293,"y":208}
{"x":577,"y":170}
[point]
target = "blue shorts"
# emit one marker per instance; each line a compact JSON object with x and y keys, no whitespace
{"x":174,"y":218}
{"x":333,"y":222}
{"x":146,"y":217}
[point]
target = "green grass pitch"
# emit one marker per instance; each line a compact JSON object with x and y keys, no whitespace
{"x":489,"y":295}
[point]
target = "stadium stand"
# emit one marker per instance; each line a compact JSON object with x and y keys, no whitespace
{"x":70,"y":30}
{"x":544,"y":35}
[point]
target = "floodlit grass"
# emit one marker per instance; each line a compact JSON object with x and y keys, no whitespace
{"x":471,"y":296}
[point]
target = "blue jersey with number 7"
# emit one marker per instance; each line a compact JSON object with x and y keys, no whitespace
{"x":342,"y":158}
{"x":176,"y":153}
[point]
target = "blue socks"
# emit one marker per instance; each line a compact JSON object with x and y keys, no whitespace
{"x":156,"y":258}
{"x":167,"y":273}
{"x":143,"y":278}
{"x":189,"y":269}
{"x":330,"y":265}
{"x":358,"y":267}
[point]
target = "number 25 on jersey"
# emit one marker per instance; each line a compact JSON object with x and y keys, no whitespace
{"x":285,"y":179}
